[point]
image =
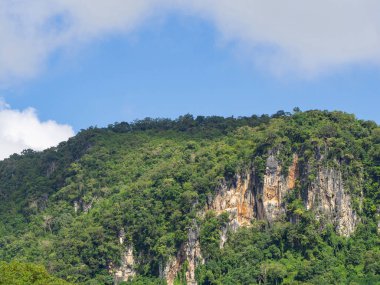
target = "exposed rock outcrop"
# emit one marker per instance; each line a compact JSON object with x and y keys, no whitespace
{"x":223,"y":236}
{"x":126,"y":270}
{"x":275,"y":188}
{"x":249,"y":198}
{"x":189,"y":254}
{"x":327,"y":197}
{"x":83,"y":205}
{"x":236,"y":199}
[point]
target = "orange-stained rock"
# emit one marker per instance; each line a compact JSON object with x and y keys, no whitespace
{"x":236,"y":199}
{"x":293,"y":172}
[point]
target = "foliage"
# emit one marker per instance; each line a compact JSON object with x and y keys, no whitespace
{"x":18,"y":273}
{"x":66,"y":207}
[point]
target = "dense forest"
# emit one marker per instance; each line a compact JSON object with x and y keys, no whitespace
{"x":70,"y":214}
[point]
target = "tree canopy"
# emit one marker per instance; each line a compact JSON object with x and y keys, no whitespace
{"x":64,"y":208}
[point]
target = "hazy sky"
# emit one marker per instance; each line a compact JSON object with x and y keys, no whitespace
{"x":69,"y":64}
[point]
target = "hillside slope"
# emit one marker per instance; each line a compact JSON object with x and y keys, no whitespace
{"x":286,"y":199}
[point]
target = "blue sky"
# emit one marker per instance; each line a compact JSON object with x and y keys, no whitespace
{"x":177,"y":63}
{"x":179,"y":67}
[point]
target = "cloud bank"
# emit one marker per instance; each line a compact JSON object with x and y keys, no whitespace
{"x":21,"y":130}
{"x":308,"y":36}
{"x":288,"y":35}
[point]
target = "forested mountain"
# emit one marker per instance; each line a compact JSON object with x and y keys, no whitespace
{"x":281,"y":199}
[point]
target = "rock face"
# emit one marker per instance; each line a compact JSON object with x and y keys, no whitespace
{"x":328,"y":199}
{"x":126,"y":270}
{"x":223,"y":236}
{"x":249,"y":197}
{"x":84,"y":206}
{"x":275,"y":188}
{"x":190,"y":253}
{"x":237,"y":199}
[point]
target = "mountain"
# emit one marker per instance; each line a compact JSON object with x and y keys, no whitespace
{"x":281,"y":199}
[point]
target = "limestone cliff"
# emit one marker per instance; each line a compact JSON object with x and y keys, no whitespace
{"x":327,"y":197}
{"x":248,"y":197}
{"x":189,"y":255}
{"x":81,"y":205}
{"x":237,"y":199}
{"x":126,"y":270}
{"x":275,"y":188}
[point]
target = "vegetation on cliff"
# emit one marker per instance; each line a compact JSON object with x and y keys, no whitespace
{"x":146,"y":182}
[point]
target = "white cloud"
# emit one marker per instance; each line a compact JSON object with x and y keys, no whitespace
{"x":285,"y":35}
{"x":309,"y":36}
{"x":31,"y":30}
{"x":21,"y":130}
